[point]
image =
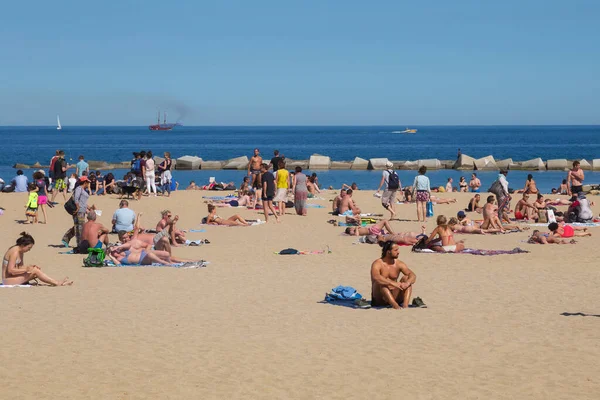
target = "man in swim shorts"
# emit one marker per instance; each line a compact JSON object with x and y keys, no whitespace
{"x":575,"y":179}
{"x":524,"y":210}
{"x":60,"y":175}
{"x":254,"y":167}
{"x":94,"y":234}
{"x":386,"y":290}
{"x":347,"y":206}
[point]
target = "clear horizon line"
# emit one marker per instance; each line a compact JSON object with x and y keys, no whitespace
{"x":291,"y":125}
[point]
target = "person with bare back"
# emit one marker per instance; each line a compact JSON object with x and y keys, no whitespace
{"x":214,"y":219}
{"x":254,"y":168}
{"x":178,"y":236}
{"x":386,"y":290}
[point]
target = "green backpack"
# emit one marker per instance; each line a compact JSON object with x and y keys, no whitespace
{"x":95,"y":258}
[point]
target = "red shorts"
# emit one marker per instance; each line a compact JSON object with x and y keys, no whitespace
{"x":518,"y":215}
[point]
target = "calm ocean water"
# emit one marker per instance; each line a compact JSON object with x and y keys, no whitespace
{"x":31,"y":144}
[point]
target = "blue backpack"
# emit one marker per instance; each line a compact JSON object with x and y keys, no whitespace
{"x":136,"y":166}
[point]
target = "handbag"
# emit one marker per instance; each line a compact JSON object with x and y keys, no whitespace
{"x":429,"y":209}
{"x":70,"y":206}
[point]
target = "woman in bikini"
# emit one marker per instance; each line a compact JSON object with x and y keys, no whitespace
{"x":15,"y":272}
{"x":530,"y":186}
{"x":214,"y":219}
{"x":444,"y":233}
{"x":462,"y":184}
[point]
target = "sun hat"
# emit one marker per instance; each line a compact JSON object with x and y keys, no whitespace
{"x":389,"y":164}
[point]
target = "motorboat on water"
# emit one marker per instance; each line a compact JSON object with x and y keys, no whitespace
{"x":406,"y":131}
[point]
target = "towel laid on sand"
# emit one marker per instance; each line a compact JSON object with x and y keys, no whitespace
{"x":314,"y":206}
{"x":584,"y":224}
{"x":197,"y":230}
{"x":478,"y":252}
{"x":13,"y":286}
{"x":188,"y":265}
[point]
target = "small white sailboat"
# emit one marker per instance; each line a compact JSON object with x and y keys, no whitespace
{"x":408,"y":131}
{"x":59,"y":126}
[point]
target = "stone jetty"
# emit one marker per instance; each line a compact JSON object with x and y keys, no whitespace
{"x":323,"y":162}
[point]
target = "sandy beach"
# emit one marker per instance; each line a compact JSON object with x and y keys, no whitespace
{"x":252,"y":325}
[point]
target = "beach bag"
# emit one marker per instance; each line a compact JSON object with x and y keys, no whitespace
{"x":136,"y":166}
{"x":429,"y":209}
{"x":95,"y":258}
{"x":288,"y":252}
{"x":421,"y":243}
{"x":70,"y":206}
{"x":393,"y":181}
{"x":496,"y":188}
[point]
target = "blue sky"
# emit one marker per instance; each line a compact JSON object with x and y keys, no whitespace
{"x":300,"y":62}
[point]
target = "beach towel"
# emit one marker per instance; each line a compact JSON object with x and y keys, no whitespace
{"x":346,"y":296}
{"x":13,"y":286}
{"x":189,"y":265}
{"x":478,"y":252}
{"x":198,"y":230}
{"x":585,"y":224}
{"x":230,"y":196}
{"x":314,"y":206}
{"x":196,"y":242}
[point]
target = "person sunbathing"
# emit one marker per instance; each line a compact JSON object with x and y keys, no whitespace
{"x":14,"y":270}
{"x":547,"y":238}
{"x":457,"y":227}
{"x":524,"y":210}
{"x":166,"y":222}
{"x":243,"y":200}
{"x":402,"y":238}
{"x":444,"y":235}
{"x":567,"y":231}
{"x":474,"y":204}
{"x":439,"y":200}
{"x":377,"y":229}
{"x":214,"y":219}
{"x":386,"y":290}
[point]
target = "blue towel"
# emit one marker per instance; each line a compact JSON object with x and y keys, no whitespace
{"x":314,"y":206}
{"x":197,"y":230}
{"x":344,"y":293}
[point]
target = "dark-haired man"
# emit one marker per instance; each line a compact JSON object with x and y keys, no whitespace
{"x":386,"y":290}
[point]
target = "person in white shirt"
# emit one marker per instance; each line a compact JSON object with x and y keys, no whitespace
{"x":72,"y":182}
{"x":449,"y":185}
{"x":503,"y":197}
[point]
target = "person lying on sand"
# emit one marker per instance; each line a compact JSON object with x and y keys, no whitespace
{"x":547,"y":238}
{"x":386,"y":290}
{"x":137,"y":242}
{"x":14,"y":270}
{"x":567,"y":231}
{"x":457,"y":227}
{"x":376,"y":229}
{"x":439,"y":200}
{"x":402,"y":238}
{"x":444,"y":234}
{"x":214,"y":219}
{"x":178,"y":236}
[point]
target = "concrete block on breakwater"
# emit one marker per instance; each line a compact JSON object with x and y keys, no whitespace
{"x":318,"y":161}
{"x":237,"y":163}
{"x":584,"y":164}
{"x":486,"y":164}
{"x":360,"y":164}
{"x":596,"y":164}
{"x":340,"y":165}
{"x":406,"y":165}
{"x":291,"y":164}
{"x":189,"y":162}
{"x":557,"y":165}
{"x":507,"y":163}
{"x":211,"y":165}
{"x":535,"y":164}
{"x":378,"y":163}
{"x":464,"y":162}
{"x":431,"y":163}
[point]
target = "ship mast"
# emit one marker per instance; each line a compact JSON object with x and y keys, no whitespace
{"x":165,"y":118}
{"x":158,"y":119}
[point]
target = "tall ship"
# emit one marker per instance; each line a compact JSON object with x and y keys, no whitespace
{"x":164,"y":126}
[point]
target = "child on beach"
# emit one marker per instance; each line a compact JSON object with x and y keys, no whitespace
{"x":32,"y":205}
{"x":72,"y":182}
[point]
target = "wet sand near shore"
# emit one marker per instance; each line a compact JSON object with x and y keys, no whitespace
{"x":252,"y":323}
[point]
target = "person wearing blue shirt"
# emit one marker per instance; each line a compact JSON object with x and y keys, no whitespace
{"x":124,"y":218}
{"x":82,"y":166}
{"x":20,"y":182}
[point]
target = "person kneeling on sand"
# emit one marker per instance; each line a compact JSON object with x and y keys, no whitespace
{"x":444,"y":234}
{"x":14,"y":270}
{"x":567,"y":231}
{"x":94,"y":234}
{"x":376,"y":229}
{"x":214,"y":219}
{"x":386,"y":290}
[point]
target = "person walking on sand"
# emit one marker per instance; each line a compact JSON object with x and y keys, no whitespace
{"x":391,"y":180}
{"x":60,"y":174}
{"x":14,"y":270}
{"x":268,"y":191}
{"x":283,"y":186}
{"x":423,"y":193}
{"x":300,"y":191}
{"x":42,"y":192}
{"x":149,"y":174}
{"x":386,"y":290}
{"x":81,"y":197}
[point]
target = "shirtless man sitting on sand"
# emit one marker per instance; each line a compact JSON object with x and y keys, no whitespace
{"x":386,"y":290}
{"x":214,"y":219}
{"x":376,"y":229}
{"x":524,"y":210}
{"x":347,"y":206}
{"x":177,"y":236}
{"x":335,"y":207}
{"x":94,"y":234}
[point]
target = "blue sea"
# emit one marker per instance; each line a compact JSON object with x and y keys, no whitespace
{"x":342,"y":143}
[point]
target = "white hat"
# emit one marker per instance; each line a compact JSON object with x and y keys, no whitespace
{"x":389,"y":164}
{"x":42,"y":171}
